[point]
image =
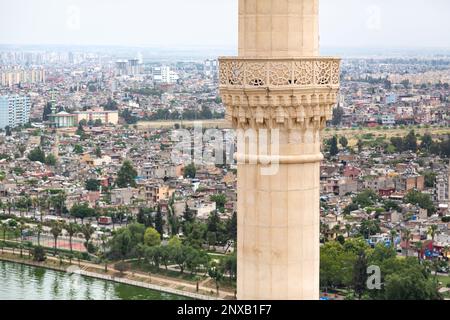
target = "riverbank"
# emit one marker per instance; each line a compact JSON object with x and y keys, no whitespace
{"x":148,"y":281}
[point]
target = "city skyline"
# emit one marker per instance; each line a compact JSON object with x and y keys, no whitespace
{"x":349,"y":23}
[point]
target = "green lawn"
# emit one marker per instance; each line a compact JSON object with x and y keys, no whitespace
{"x":445,"y":280}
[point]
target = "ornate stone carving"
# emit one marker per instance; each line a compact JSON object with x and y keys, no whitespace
{"x":295,"y":73}
{"x":290,"y":110}
{"x":279,"y":93}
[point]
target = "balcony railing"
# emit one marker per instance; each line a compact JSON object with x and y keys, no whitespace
{"x":240,"y":73}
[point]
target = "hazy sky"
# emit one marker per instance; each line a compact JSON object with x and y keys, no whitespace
{"x":344,"y":23}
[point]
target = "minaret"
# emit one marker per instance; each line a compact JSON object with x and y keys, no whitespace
{"x":280,"y":86}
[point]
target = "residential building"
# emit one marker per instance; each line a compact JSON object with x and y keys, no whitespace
{"x":14,"y":111}
{"x":164,"y":75}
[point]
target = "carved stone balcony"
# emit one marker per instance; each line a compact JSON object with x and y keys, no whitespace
{"x":290,"y":73}
{"x":292,"y":93}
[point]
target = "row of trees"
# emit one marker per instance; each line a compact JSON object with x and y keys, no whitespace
{"x":17,"y":229}
{"x":52,"y":200}
{"x":136,"y":241}
{"x":369,"y":198}
{"x":410,"y":142}
{"x":345,"y":266}
{"x":215,"y":231}
{"x":332,"y":145}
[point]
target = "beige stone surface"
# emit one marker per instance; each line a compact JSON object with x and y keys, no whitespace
{"x":278,"y":28}
{"x":279,"y":82}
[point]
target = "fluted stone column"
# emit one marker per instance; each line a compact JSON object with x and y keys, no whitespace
{"x":279,"y":85}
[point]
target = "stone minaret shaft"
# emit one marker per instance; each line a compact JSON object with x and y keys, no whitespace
{"x":278,"y":81}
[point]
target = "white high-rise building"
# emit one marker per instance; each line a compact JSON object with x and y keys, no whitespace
{"x":15,"y":76}
{"x":14,"y":111}
{"x":164,"y":75}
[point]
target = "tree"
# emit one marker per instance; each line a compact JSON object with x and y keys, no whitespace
{"x":72,"y":229}
{"x":405,"y":83}
{"x":360,"y":145}
{"x":78,"y":149}
{"x":393,"y":234}
{"x":338,"y":113}
{"x":430,"y":179}
{"x":165,"y":255}
{"x":125,"y":241}
{"x":47,"y":111}
{"x":410,"y":142}
{"x":153,"y":255}
{"x":98,"y":152}
{"x":193,"y":259}
{"x":230,"y":265}
{"x":87,"y":230}
{"x":56,"y":229}
{"x":427,"y":142}
{"x":38,"y":254}
{"x":121,"y":267}
{"x":232,"y":227}
{"x":432,"y":231}
{"x":50,"y":160}
{"x":369,"y":227}
{"x":128,"y":117}
{"x":126,"y":175}
{"x":334,"y":150}
{"x":366,"y":198}
{"x":390,"y":205}
{"x":178,"y":255}
{"x":111,"y":105}
{"x":8,"y":131}
{"x":420,"y":199}
{"x":213,"y":221}
{"x":92,"y":185}
{"x":24,"y":204}
{"x":4,"y":227}
{"x":220,"y":200}
{"x":174,"y":224}
{"x":195,"y":234}
{"x":345,"y":267}
{"x":37,"y":155}
{"x":159,"y":222}
{"x":406,"y":237}
{"x":145,"y":217}
{"x":80,"y":131}
{"x":215,"y":271}
{"x":419,"y":248}
{"x":343,"y":141}
{"x":190,"y":171}
{"x":360,"y":275}
{"x":82,"y":211}
{"x":152,"y":237}
{"x":188,"y":214}
{"x":408,"y":281}
{"x":58,"y":202}
{"x":39,"y":229}
{"x":211,"y":238}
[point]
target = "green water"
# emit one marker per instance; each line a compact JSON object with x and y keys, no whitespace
{"x":21,"y":282}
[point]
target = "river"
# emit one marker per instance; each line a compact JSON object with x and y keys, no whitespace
{"x":21,"y":282}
